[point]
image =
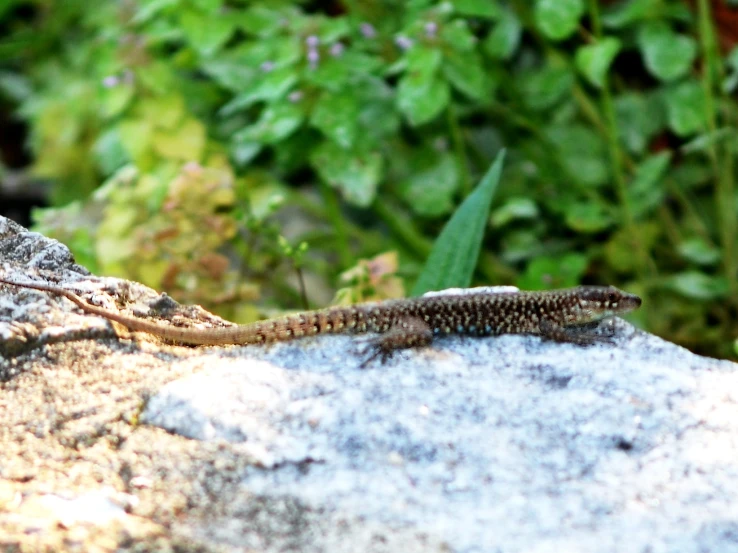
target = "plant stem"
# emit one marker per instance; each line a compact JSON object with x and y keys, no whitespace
{"x":333,"y":210}
{"x":399,"y":224}
{"x":458,"y":142}
{"x":720,"y":159}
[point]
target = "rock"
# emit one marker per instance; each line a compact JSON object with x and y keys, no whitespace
{"x":499,"y":444}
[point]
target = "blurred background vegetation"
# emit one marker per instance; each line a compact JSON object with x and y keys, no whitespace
{"x":238,"y":153}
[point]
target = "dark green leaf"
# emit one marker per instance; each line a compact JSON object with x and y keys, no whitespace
{"x":336,"y":116}
{"x":640,"y":118}
{"x":457,"y":35}
{"x":698,"y":250}
{"x":455,"y":253}
{"x":420,"y":100}
{"x":620,"y":247}
{"x":558,"y":19}
{"x":647,"y":190}
{"x":706,"y":141}
{"x":553,"y":272}
{"x":271,"y":86}
{"x":594,"y":61}
{"x":431,"y":184}
{"x":109,"y":152}
{"x":356,"y":175}
{"x":378,"y":117}
{"x":276,"y":123}
{"x":422,"y":62}
{"x":260,"y":21}
{"x":668,"y":56}
{"x":504,"y":39}
{"x":544,"y":88}
{"x":466,"y":73}
{"x":229,"y":74}
{"x":206,"y":34}
{"x":514,"y":209}
{"x":477,"y":8}
{"x":582,"y":151}
{"x":698,"y":286}
{"x":626,"y":13}
{"x":685,"y":108}
{"x":588,"y":217}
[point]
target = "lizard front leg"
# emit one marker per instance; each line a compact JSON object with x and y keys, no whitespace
{"x":406,"y":332}
{"x":574,"y":335}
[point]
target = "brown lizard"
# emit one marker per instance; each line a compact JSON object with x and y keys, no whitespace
{"x":561,"y":315}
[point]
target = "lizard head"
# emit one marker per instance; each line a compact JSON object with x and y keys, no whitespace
{"x":598,"y":302}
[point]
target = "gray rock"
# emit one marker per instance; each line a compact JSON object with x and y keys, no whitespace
{"x":507,"y":444}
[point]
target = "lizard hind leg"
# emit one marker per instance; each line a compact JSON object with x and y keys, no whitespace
{"x":407,"y":332}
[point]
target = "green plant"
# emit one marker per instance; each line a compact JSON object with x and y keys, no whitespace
{"x":360,"y":127}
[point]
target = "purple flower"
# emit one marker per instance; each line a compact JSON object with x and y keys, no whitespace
{"x":110,"y":81}
{"x":295,"y":96}
{"x":267,"y":66}
{"x":313,"y":58}
{"x":312,"y":41}
{"x":337,"y":49}
{"x":368,"y":30}
{"x":431,"y":28}
{"x":403,"y":42}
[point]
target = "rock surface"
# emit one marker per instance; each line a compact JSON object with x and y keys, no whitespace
{"x":117,"y":442}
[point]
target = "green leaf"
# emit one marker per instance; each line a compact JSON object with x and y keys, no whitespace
{"x":116,"y":99}
{"x":582,"y":151}
{"x":647,"y":191}
{"x":243,"y":153}
{"x":109,"y":152}
{"x":135,"y":136}
{"x":276,"y":123}
{"x":626,"y":13}
{"x":421,"y":100}
{"x":558,"y":19}
{"x":466,"y":73}
{"x":336,"y":116}
{"x":503,"y":41}
{"x":355,"y":174}
{"x":432,"y":182}
{"x":589,"y":217}
{"x":206,"y":33}
{"x":546,"y":87}
{"x":514,"y":209}
{"x":231,"y":74}
{"x":685,"y":108}
{"x":622,"y":243}
{"x":260,"y":21}
{"x":378,"y":118}
{"x":698,"y":286}
{"x":422,"y":62}
{"x":457,"y":35}
{"x":697,"y":250}
{"x":667,"y":55}
{"x":730,"y":83}
{"x":455,"y":253}
{"x":639,"y":117}
{"x":704,"y":142}
{"x":553,"y":272}
{"x":594,"y":61}
{"x":165,"y":112}
{"x":187,"y":143}
{"x":273,"y":85}
{"x":477,"y":8}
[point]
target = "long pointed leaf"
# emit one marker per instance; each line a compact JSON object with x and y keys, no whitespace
{"x":455,"y":254}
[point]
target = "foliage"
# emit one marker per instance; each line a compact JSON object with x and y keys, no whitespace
{"x":359,"y":127}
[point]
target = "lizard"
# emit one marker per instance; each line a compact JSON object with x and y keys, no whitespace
{"x":562,"y":315}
